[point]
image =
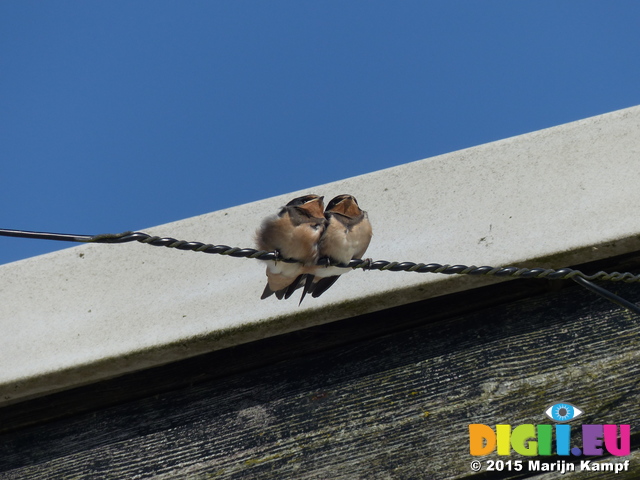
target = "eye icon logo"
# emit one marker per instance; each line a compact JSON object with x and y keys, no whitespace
{"x":563,"y":412}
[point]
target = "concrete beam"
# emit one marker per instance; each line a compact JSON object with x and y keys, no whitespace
{"x":551,"y":198}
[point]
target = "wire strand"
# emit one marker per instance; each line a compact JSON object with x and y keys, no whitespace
{"x":607,"y":294}
{"x":515,"y":272}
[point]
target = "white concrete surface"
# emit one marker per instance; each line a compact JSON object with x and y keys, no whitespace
{"x":555,"y":197}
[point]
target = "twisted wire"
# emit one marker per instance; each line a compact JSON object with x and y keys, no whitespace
{"x":514,"y":272}
{"x":446,"y":269}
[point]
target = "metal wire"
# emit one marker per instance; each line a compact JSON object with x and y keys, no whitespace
{"x":515,"y":272}
{"x":607,"y":294}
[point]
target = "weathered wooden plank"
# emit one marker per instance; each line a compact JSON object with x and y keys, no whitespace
{"x":396,"y":406}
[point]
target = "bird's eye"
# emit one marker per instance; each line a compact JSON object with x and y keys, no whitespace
{"x":563,"y":412}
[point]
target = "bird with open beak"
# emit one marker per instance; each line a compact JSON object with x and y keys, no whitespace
{"x":293,"y":233}
{"x":347,"y":236}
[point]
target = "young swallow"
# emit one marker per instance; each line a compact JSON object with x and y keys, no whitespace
{"x":346,"y":236}
{"x":294,"y":232}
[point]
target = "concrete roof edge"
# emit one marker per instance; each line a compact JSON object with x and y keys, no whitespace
{"x":555,"y":197}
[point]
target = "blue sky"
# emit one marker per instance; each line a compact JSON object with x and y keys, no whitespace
{"x":122,"y":115}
